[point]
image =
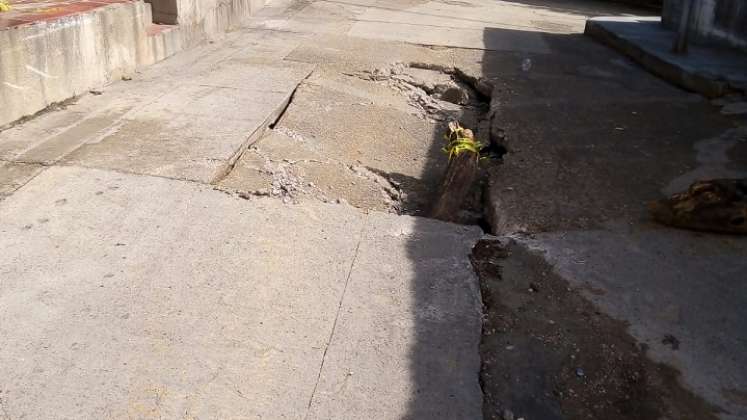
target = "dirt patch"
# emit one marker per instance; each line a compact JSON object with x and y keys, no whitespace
{"x":548,"y":353}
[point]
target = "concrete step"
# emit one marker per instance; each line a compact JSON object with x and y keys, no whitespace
{"x":56,"y":50}
{"x":127,"y":296}
{"x":710,"y":71}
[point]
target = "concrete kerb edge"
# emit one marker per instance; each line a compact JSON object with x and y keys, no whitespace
{"x":666,"y":70}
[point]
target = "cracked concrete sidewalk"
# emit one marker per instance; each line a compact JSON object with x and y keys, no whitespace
{"x":227,"y":234}
{"x":142,"y":276}
{"x":137,"y":296}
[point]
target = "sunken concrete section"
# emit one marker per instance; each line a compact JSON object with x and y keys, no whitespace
{"x":128,"y":296}
{"x":710,"y":71}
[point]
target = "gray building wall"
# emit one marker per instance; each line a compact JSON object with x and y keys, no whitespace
{"x":720,"y":22}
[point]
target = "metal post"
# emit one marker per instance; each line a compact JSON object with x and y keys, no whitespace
{"x":680,"y":40}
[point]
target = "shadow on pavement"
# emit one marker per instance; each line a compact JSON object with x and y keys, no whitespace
{"x":590,"y":138}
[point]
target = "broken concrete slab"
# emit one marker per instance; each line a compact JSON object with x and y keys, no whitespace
{"x":283,"y":164}
{"x":379,"y":148}
{"x":393,"y":141}
{"x":136,"y":296}
{"x":197,"y":130}
{"x":710,"y":71}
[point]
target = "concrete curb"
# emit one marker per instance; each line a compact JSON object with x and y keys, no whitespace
{"x":645,"y":43}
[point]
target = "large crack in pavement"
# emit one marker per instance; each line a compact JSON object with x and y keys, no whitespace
{"x":292,"y":162}
{"x":547,"y":351}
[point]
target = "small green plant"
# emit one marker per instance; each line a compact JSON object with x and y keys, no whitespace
{"x":460,"y":140}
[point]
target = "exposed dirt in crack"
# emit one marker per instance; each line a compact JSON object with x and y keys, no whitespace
{"x":548,"y":353}
{"x":442,"y":94}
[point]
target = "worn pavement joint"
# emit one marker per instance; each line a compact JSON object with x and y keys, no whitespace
{"x":337,"y":317}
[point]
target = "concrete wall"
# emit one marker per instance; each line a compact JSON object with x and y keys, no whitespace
{"x":49,"y":62}
{"x":202,"y":18}
{"x":719,"y":22}
{"x":205,"y":15}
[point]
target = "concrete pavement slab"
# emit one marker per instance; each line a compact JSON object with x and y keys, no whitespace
{"x":376,"y":130}
{"x":135,"y":296}
{"x":284,"y":166}
{"x":426,"y":294}
{"x":458,"y":37}
{"x":197,"y":130}
{"x":462,"y":25}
